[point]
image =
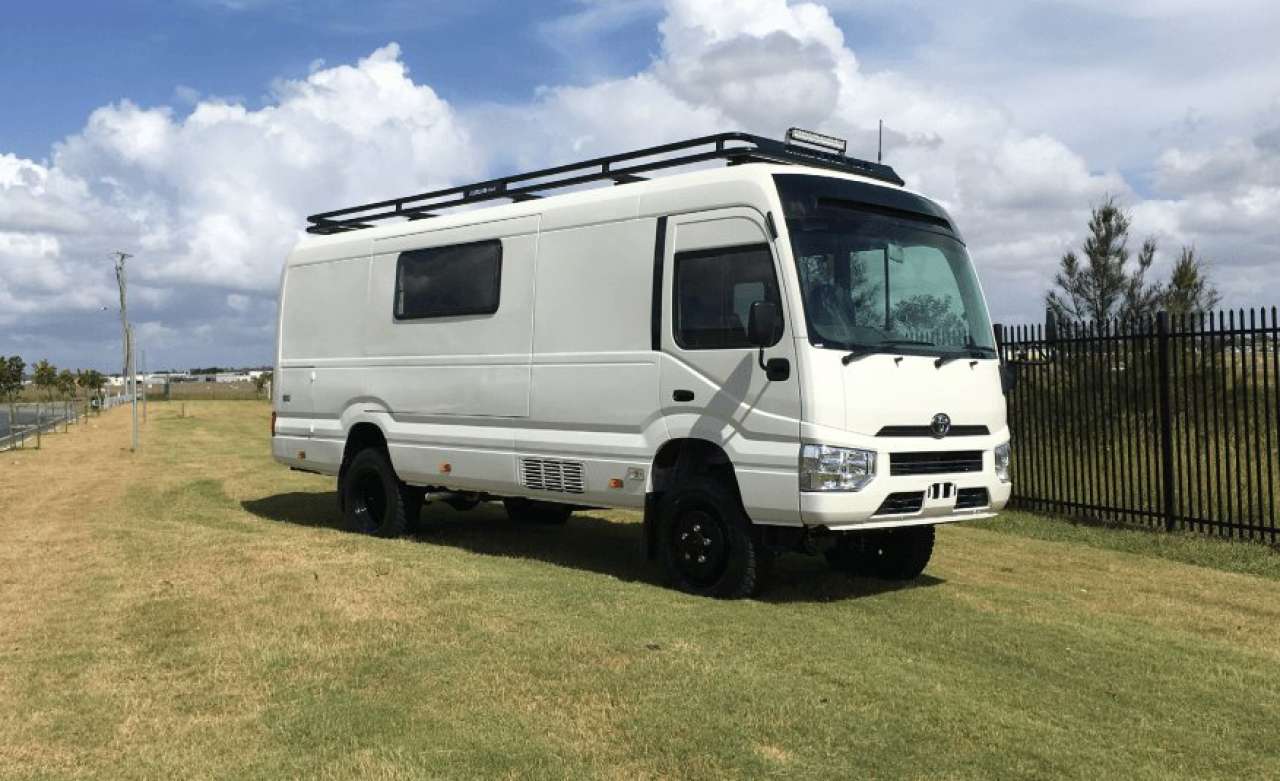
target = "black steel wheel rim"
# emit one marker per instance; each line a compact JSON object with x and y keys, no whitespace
{"x":699,"y":546}
{"x":370,"y":503}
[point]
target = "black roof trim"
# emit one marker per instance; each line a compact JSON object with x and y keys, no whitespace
{"x":806,"y":195}
{"x":735,"y":148}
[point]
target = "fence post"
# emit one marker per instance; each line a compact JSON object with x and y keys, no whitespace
{"x":1166,"y":419}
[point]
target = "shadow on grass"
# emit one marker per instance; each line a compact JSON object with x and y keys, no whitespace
{"x":589,"y":542}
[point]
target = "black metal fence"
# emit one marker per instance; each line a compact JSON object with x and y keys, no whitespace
{"x":1172,"y":422}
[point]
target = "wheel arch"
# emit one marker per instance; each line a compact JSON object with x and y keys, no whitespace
{"x":675,"y":460}
{"x":360,"y":436}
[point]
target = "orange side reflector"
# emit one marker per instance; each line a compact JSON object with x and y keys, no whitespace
{"x":446,"y":469}
{"x":615,"y":483}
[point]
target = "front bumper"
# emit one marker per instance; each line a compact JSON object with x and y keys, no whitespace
{"x":889,"y":501}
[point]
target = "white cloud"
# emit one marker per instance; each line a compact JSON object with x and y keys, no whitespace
{"x":211,"y":193}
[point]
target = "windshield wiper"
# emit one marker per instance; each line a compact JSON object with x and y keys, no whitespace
{"x":974,"y":351}
{"x":863,"y":350}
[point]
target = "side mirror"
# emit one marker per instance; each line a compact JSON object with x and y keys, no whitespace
{"x":762,"y":323}
{"x":1008,"y":377}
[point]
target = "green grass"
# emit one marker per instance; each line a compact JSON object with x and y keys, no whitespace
{"x":1247,"y":558}
{"x":193,"y":611}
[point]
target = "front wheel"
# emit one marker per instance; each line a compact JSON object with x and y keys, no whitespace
{"x":891,"y":554}
{"x":706,"y":543}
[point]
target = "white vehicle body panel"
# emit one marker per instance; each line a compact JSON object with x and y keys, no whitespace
{"x":566,"y":371}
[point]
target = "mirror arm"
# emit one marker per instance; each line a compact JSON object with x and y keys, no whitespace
{"x":760,"y":359}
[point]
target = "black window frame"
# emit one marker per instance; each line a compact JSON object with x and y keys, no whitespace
{"x":424,"y":253}
{"x":755,"y":246}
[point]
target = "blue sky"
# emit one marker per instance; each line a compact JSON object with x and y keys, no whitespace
{"x":87,"y":54}
{"x":198,"y":133}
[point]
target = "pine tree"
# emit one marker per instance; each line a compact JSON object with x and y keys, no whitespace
{"x":1189,"y":291}
{"x":1102,"y":286}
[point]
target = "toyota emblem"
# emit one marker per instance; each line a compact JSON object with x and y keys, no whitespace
{"x":940,"y":425}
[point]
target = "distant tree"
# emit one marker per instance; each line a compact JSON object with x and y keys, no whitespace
{"x":1104,"y":284}
{"x":92,"y":381}
{"x":11,"y":369}
{"x":66,"y":383}
{"x":45,"y":377}
{"x":1189,"y":291}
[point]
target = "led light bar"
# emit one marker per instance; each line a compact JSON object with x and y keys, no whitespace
{"x":801,"y":136}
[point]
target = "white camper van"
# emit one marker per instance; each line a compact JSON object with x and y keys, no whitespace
{"x":790,"y":352}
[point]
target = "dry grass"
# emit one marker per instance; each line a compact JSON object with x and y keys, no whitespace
{"x":191,"y":611}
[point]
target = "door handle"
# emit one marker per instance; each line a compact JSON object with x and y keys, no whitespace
{"x":682,"y":395}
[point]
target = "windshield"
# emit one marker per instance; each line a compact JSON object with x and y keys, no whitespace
{"x":879,"y":281}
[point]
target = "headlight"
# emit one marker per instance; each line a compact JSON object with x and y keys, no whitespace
{"x":1002,"y":462}
{"x":824,"y":468}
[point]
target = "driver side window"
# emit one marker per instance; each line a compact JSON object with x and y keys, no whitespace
{"x":714,"y":291}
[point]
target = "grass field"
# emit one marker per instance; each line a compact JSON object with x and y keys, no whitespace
{"x":192,"y":611}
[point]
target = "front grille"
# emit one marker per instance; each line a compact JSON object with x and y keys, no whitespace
{"x":901,"y":503}
{"x":926,"y":431}
{"x":936,"y":463}
{"x":547,"y":475}
{"x":968,"y":498}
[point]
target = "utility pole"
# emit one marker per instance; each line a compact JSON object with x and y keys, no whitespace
{"x":129,"y":376}
{"x":121,"y":257}
{"x":133,"y":377}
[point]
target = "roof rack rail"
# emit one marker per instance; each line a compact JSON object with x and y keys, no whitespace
{"x":735,"y":148}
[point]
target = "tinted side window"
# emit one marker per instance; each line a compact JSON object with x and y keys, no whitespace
{"x":714,"y":290}
{"x":462,"y":279}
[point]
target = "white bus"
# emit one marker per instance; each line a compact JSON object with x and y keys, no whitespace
{"x":790,"y":352}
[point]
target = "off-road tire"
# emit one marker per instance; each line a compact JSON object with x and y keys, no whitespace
{"x":891,"y":554}
{"x":537,"y":512}
{"x":374,"y":499}
{"x":703,"y":517}
{"x":846,"y":554}
{"x":899,"y":554}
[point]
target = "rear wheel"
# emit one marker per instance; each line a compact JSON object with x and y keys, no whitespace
{"x":374,"y":500}
{"x":706,"y":542}
{"x":534,"y":511}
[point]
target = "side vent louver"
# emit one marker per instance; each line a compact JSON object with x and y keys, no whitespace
{"x":547,"y":475}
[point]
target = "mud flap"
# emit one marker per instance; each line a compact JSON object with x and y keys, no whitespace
{"x":651,"y":525}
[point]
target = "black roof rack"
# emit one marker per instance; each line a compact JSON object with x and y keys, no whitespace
{"x":735,"y":148}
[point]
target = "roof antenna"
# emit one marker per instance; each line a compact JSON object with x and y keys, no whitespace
{"x":880,"y":144}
